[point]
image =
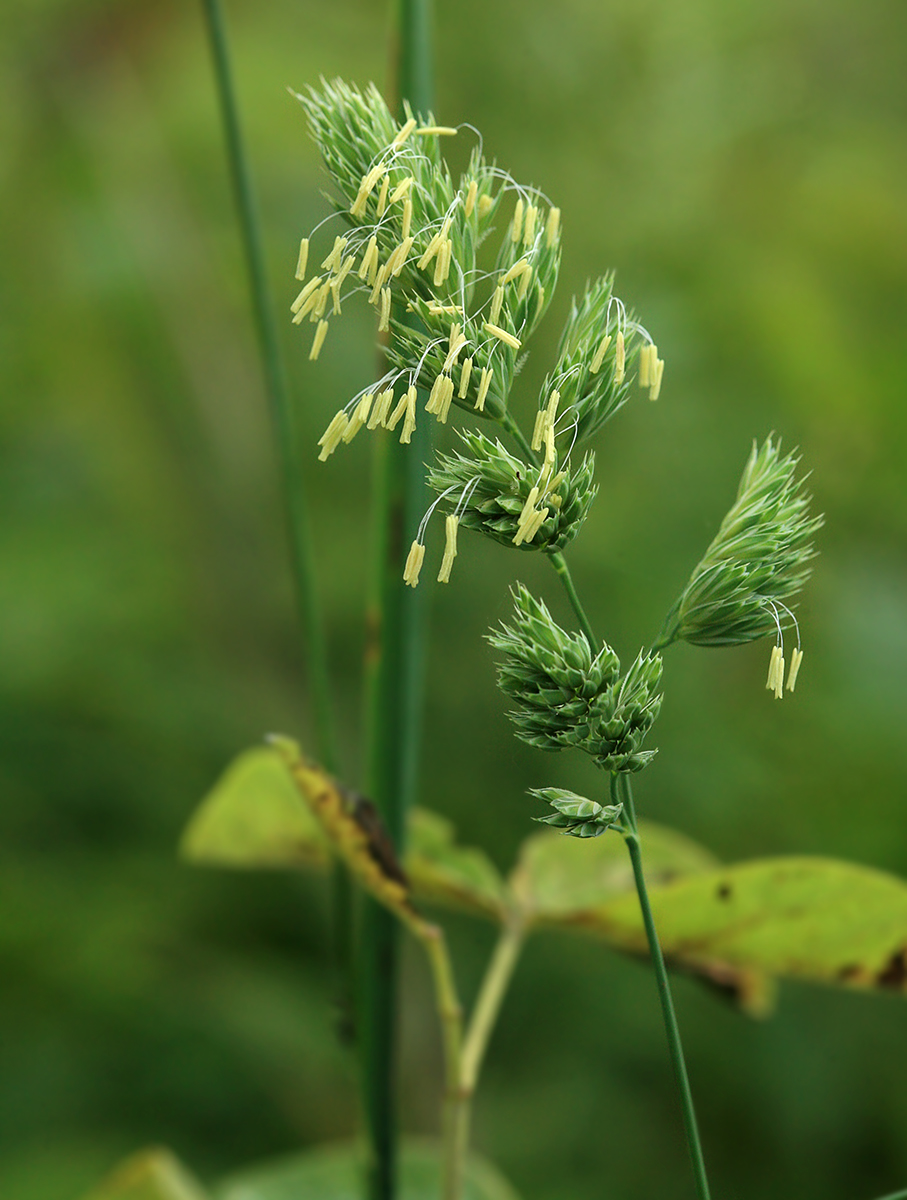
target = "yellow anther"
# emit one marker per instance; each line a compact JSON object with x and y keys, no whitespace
{"x":303,"y":258}
{"x":397,"y":259}
{"x":525,"y":280}
{"x":486,"y":204}
{"x":409,"y":423}
{"x":518,"y":268}
{"x":357,"y":208}
{"x":318,"y":341}
{"x":405,"y":131}
{"x":535,"y":524}
{"x":552,"y":226}
{"x":775,"y":670}
{"x":484,"y":385}
{"x":795,"y":659}
{"x":599,"y":356}
{"x":620,"y":360}
{"x":529,"y":506}
{"x":401,"y":189}
{"x":332,"y":262}
{"x":434,"y":396}
{"x":370,"y":256}
{"x":382,"y":195}
{"x":647,"y":357}
{"x":335,"y":296}
{"x":497,"y":303}
{"x":345,"y":267}
{"x":556,"y":482}
{"x":529,"y":224}
{"x":442,"y":263}
{"x":321,"y":301}
{"x":397,"y":415}
{"x":430,"y":251}
{"x":549,"y":442}
{"x":517,"y":225}
{"x":450,"y":548}
{"x":330,"y":439}
{"x":444,"y":310}
{"x":407,"y":219}
{"x":471,"y":192}
{"x":538,"y":433}
{"x":385,"y":318}
{"x":383,"y":402}
{"x":304,"y":295}
{"x":380,"y":280}
{"x":454,"y":352}
{"x":440,"y":130}
{"x":446,"y":397}
{"x":551,"y":412}
{"x":359,"y":417}
{"x":465,"y":372}
{"x":414,"y":562}
{"x":503,"y":336}
{"x":658,"y":371}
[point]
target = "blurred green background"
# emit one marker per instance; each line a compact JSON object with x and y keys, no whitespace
{"x":744,"y":167}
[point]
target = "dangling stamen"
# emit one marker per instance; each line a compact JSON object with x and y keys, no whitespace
{"x":486,"y":204}
{"x":318,"y":341}
{"x":303,"y":259}
{"x":502,"y":335}
{"x":307,"y":292}
{"x":414,"y":562}
{"x":795,"y":659}
{"x":401,"y":189}
{"x":450,"y":548}
{"x":330,"y":439}
{"x":384,"y":321}
{"x":538,"y":433}
{"x":382,"y":196}
{"x":359,"y":417}
{"x":465,"y":372}
{"x":370,"y":256}
{"x":383,"y":401}
{"x":405,"y":131}
{"x":497,"y":301}
{"x":524,"y":284}
{"x":619,"y":358}
{"x":333,"y":259}
{"x":407,"y":219}
{"x":517,"y":269}
{"x":655,"y":388}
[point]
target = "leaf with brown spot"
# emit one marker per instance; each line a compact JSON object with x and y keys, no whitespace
{"x":353,"y":828}
{"x":813,"y":919}
{"x":565,"y":883}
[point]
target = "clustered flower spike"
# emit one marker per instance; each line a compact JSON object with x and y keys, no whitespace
{"x":566,"y":697}
{"x":457,"y":323}
{"x":758,"y":561}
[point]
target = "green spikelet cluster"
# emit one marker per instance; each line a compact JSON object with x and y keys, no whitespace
{"x":575,"y":815}
{"x":565,"y":697}
{"x":495,"y":487}
{"x":757,"y":562}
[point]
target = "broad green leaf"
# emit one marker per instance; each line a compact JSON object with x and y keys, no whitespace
{"x":336,"y":1173}
{"x":814,"y":919}
{"x":153,"y":1174}
{"x":254,"y":817}
{"x":564,"y":882}
{"x":441,"y":872}
{"x":558,"y":879}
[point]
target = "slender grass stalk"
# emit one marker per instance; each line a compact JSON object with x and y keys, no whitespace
{"x":394,"y":666}
{"x":275,"y":378}
{"x":309,"y":614}
{"x":624,"y":789}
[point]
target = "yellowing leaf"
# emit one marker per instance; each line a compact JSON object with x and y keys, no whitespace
{"x":441,"y":872}
{"x":149,"y":1175}
{"x":558,"y":879}
{"x":353,"y":827}
{"x":570,"y":883}
{"x":254,"y":817}
{"x":814,"y":919}
{"x":337,"y":1173}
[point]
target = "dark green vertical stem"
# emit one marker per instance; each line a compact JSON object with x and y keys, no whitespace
{"x":288,"y":450}
{"x":395,"y":640}
{"x":277,"y":391}
{"x":631,"y":837}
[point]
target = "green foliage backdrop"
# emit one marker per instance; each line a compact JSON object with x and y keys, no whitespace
{"x":743,"y":167}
